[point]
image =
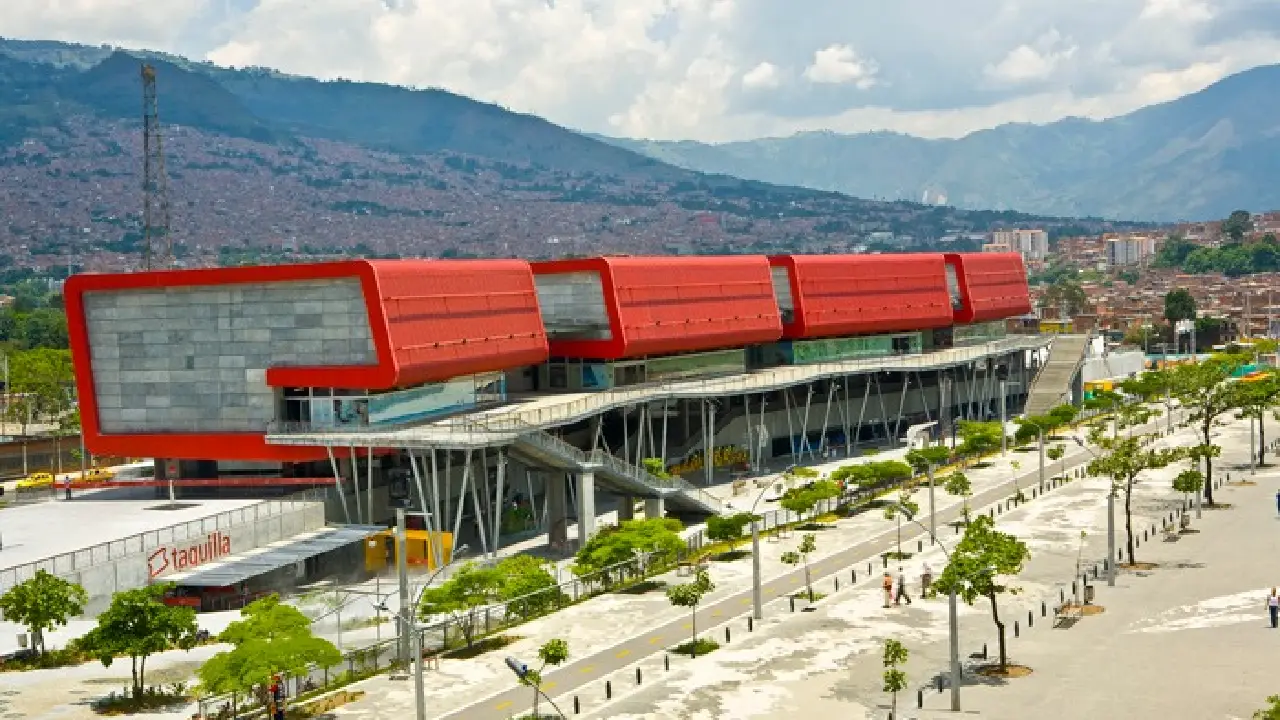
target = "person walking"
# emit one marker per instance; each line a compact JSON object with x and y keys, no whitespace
{"x":902,"y":588}
{"x":926,"y":580}
{"x":1273,"y":607}
{"x":888,"y":588}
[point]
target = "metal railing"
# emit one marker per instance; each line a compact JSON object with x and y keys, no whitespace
{"x":556,"y":411}
{"x":78,"y":560}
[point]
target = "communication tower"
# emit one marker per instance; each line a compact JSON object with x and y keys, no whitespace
{"x":158,"y":244}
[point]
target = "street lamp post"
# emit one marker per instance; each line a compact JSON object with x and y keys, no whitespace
{"x":1004,"y":433}
{"x":1040,"y":433}
{"x":933,"y":526}
{"x":757,"y":593}
{"x":1111,"y":520}
{"x":953,"y":614}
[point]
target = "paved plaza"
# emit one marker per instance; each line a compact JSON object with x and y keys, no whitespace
{"x":1184,"y":640}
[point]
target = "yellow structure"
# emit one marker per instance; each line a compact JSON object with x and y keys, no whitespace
{"x":1056,"y":326}
{"x":380,"y":550}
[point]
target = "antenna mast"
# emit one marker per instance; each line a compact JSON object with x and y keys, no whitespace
{"x":158,"y":244}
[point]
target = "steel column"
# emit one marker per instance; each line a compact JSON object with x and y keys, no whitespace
{"x":337,"y":483}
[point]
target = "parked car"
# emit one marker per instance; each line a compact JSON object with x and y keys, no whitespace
{"x":36,"y":481}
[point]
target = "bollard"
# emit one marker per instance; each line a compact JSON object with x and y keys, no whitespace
{"x":577,"y":708}
{"x":938,"y":681}
{"x":919,"y":546}
{"x":1044,"y":609}
{"x":1073,"y":588}
{"x":984,"y":651}
{"x":919,"y":698}
{"x":1031,"y":619}
{"x":885,"y":559}
{"x":793,"y":603}
{"x":1015,"y":628}
{"x":853,"y":576}
{"x":608,"y":690}
{"x":1144,"y":534}
{"x":638,"y":678}
{"x":726,"y":636}
{"x":750,"y":624}
{"x":1062,"y":596}
{"x":837,"y":584}
{"x":666,"y":662}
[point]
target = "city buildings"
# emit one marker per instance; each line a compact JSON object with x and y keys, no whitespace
{"x":1126,"y":251}
{"x":1031,"y":244}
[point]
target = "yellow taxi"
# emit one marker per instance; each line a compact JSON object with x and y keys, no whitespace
{"x":97,"y":475}
{"x":35,"y":481}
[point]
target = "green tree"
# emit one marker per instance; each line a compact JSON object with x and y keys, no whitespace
{"x":1124,"y":460}
{"x":270,"y":638}
{"x":803,"y":500}
{"x":1269,"y":713}
{"x":890,"y":472}
{"x":471,"y":588}
{"x":981,"y":557}
{"x":689,"y":595}
{"x":957,"y":484}
{"x":895,"y":679}
{"x":895,"y":511}
{"x":808,"y":543}
{"x":527,"y":586}
{"x":1064,"y":294}
{"x":40,"y":385}
{"x":42,"y":603}
{"x":980,"y":438}
{"x":1188,"y":481}
{"x":921,"y":459}
{"x":554,"y":652}
{"x":728,"y":528}
{"x":138,"y":624}
{"x":1055,"y":453}
{"x":1179,"y":305}
{"x":1202,"y":389}
{"x":1237,"y":225}
{"x":625,"y":543}
{"x":1256,"y":399}
{"x":1173,"y":253}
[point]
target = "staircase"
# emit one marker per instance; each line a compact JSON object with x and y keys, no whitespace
{"x":623,"y":477}
{"x":1052,"y":386}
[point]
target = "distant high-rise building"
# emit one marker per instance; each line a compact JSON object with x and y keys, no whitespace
{"x":1032,"y":244}
{"x":1130,"y":250}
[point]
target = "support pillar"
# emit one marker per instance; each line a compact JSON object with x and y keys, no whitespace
{"x":586,"y":506}
{"x":654,"y":508}
{"x":557,"y":509}
{"x":626,"y":508}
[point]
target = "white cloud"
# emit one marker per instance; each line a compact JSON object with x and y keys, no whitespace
{"x":1038,"y":61}
{"x":1186,"y":11}
{"x":763,"y":76}
{"x":673,"y":69}
{"x":839,"y":65}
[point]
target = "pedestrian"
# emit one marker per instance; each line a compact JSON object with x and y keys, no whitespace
{"x":902,"y":588}
{"x":888,"y":588}
{"x":926,"y":580}
{"x":1273,"y":607}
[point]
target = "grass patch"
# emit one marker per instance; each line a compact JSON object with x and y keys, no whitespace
{"x":642,"y":587}
{"x":804,"y":595}
{"x":481,"y":646}
{"x":731,"y":555}
{"x":897,"y":555}
{"x":316,"y":708}
{"x":693,"y":648}
{"x":983,"y":465}
{"x":1008,"y":671}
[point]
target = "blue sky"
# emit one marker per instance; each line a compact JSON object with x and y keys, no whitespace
{"x":717,"y":69}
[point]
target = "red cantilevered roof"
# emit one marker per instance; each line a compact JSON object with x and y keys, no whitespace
{"x":993,"y":286}
{"x":667,"y":305}
{"x":834,"y":295}
{"x":428,"y":320}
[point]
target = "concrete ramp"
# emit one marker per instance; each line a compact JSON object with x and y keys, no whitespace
{"x":1060,"y":374}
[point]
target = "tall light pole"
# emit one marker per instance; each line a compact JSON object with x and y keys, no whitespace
{"x":402,"y":566}
{"x":933,"y":530}
{"x":953,"y":614}
{"x":1111,"y":520}
{"x":1004,"y":432}
{"x":757,"y":593}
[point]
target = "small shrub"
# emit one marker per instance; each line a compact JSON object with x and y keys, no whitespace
{"x":698,"y":647}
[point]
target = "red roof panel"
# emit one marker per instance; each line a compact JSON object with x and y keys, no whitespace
{"x":994,"y":286}
{"x":836,"y":295}
{"x":666,"y":305}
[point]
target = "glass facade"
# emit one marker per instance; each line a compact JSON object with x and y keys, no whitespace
{"x":328,"y":408}
{"x":979,"y":333}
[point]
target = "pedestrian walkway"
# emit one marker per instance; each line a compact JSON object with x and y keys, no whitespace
{"x":596,"y":627}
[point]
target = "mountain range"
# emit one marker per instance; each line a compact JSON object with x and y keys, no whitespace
{"x":1196,"y":158}
{"x":266,"y":166}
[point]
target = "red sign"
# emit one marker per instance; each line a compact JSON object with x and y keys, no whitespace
{"x":174,"y":559}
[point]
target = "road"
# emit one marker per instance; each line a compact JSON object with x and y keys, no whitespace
{"x":595,"y":667}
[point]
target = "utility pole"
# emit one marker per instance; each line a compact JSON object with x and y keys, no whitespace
{"x":406,"y":614}
{"x":157,"y":242}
